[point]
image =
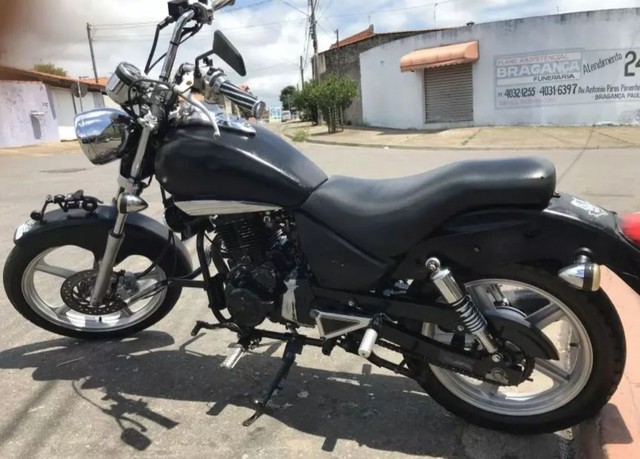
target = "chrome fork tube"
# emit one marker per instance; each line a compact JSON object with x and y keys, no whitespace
{"x":114,"y":240}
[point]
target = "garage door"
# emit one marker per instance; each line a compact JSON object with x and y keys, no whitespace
{"x":449,"y":93}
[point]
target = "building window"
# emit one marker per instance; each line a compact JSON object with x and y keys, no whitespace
{"x":448,"y":93}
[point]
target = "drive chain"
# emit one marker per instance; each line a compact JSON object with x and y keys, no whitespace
{"x":398,"y":349}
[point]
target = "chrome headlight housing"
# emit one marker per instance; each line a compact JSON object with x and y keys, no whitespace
{"x":106,"y":134}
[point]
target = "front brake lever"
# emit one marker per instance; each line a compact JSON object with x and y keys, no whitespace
{"x":196,"y":103}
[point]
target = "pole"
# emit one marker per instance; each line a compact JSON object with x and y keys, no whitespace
{"x":80,"y":97}
{"x":434,"y":15}
{"x":302,"y":72}
{"x":314,"y":37}
{"x":93,"y":56}
{"x":338,"y":52}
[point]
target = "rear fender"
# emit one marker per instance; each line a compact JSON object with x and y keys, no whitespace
{"x":90,"y":230}
{"x":550,"y":238}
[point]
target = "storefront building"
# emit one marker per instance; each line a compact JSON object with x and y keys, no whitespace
{"x":568,"y":69}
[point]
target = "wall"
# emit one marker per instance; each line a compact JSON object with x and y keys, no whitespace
{"x":346,"y":61}
{"x":602,"y":40}
{"x":65,"y":107}
{"x":25,"y":114}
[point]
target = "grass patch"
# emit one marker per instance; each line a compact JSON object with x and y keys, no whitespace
{"x":299,"y":135}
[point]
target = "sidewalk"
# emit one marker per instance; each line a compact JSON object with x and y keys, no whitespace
{"x":43,"y":149}
{"x":481,"y":138}
{"x":616,"y":432}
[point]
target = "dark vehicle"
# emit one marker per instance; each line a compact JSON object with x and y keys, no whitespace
{"x":522,"y":340}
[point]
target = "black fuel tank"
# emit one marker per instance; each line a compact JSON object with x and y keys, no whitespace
{"x":264,"y":168}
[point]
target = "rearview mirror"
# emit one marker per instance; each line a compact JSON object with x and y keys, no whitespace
{"x":223,"y":48}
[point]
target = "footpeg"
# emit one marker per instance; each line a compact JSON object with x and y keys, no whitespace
{"x":368,"y":341}
{"x":236,"y":352}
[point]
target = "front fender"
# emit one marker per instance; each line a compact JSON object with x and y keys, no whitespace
{"x":90,"y":230}
{"x":550,"y":238}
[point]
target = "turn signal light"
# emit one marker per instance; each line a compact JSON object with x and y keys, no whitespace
{"x":630,"y":226}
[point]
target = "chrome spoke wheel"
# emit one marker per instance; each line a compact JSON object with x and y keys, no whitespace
{"x":46,"y":274}
{"x":553,"y":384}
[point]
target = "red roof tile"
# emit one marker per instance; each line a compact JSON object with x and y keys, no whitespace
{"x":365,"y":34}
{"x":13,"y":73}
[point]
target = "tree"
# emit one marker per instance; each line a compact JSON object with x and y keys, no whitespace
{"x":333,"y":96}
{"x":51,"y":69}
{"x":286,"y":97}
{"x":307,"y":102}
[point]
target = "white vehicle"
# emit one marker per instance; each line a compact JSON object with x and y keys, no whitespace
{"x":286,"y":115}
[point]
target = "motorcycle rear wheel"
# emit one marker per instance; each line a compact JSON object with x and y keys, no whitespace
{"x":581,"y":384}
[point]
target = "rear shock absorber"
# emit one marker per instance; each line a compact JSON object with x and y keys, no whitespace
{"x":472,"y":319}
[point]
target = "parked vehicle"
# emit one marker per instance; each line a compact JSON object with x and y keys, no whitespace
{"x":286,"y":115}
{"x":522,"y":339}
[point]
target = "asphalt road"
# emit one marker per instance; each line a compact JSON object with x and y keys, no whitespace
{"x":162,"y":393}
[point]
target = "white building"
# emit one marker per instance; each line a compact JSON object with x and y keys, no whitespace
{"x":567,"y":69}
{"x":36,"y":107}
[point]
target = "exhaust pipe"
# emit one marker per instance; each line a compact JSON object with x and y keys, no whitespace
{"x":582,"y":275}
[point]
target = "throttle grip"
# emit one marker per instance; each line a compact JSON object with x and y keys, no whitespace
{"x":242,"y":99}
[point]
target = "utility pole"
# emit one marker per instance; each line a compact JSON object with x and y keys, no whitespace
{"x":93,"y":56}
{"x":435,"y":6}
{"x":314,"y":37}
{"x":302,"y":72}
{"x":338,"y":52}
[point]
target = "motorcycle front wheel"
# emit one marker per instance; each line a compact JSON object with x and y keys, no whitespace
{"x":584,"y":327}
{"x":50,"y":285}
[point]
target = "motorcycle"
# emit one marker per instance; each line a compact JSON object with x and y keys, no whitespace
{"x":521,"y":340}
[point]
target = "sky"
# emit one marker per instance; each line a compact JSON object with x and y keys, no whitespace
{"x":271,"y":34}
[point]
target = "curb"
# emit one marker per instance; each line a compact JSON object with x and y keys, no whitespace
{"x":460,"y":147}
{"x":615,"y":432}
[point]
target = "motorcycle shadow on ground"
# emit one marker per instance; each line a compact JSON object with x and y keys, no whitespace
{"x":382,"y":411}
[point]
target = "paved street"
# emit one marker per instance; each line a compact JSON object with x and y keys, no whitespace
{"x":162,"y":393}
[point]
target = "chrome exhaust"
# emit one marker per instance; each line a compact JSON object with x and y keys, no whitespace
{"x":582,"y":275}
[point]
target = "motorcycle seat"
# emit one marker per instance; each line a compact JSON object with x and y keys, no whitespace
{"x":387,"y":217}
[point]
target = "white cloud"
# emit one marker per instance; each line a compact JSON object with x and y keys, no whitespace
{"x":269,"y":33}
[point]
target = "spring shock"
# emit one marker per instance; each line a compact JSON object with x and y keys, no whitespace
{"x":472,"y":319}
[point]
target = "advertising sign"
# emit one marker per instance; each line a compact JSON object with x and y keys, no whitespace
{"x":567,"y":77}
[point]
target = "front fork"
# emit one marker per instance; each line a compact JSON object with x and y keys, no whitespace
{"x":127,"y":201}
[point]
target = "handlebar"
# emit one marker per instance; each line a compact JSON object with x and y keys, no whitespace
{"x":246,"y":101}
{"x":243,"y":99}
{"x":219,"y":4}
{"x":174,"y":44}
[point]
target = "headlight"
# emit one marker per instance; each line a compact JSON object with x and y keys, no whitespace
{"x":106,"y":134}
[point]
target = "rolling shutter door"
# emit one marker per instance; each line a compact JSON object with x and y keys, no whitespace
{"x":449,"y":93}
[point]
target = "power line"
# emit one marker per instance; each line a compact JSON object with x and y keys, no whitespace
{"x":279,"y":64}
{"x":388,"y":10}
{"x":294,"y":7}
{"x":248,"y":6}
{"x":125,"y":25}
{"x":134,"y":25}
{"x":138,"y":37}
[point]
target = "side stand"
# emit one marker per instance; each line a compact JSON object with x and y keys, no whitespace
{"x":293,"y":348}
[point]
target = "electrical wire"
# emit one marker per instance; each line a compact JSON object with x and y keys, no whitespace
{"x":295,"y":7}
{"x":248,"y":6}
{"x":388,"y":10}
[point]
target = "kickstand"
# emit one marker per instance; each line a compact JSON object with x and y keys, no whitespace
{"x":293,"y":348}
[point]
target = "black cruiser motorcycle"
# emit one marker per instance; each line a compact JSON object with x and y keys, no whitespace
{"x":478,"y":280}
